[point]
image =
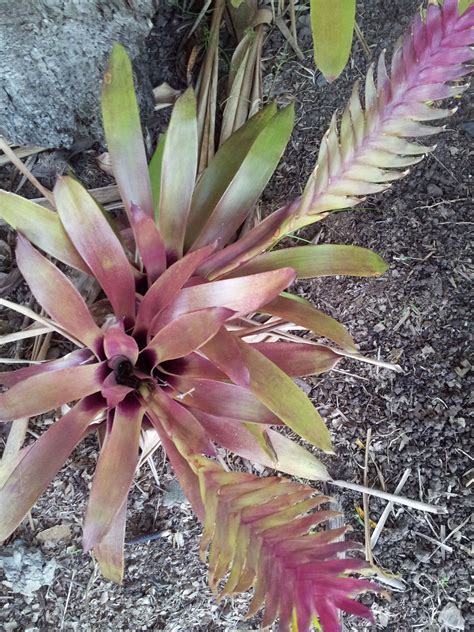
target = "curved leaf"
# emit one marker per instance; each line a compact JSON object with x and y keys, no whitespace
{"x":123,"y":132}
{"x":187,"y":333}
{"x":114,"y":472}
{"x":223,"y":170}
{"x":42,"y":227}
{"x":299,"y":359}
{"x":178,"y":172}
{"x":43,"y":392}
{"x":332,"y":25}
{"x":41,"y":462}
{"x":297,"y":310}
{"x":95,"y":240}
{"x":243,"y":191}
{"x":282,"y":396}
{"x":57,"y":295}
{"x":316,"y":261}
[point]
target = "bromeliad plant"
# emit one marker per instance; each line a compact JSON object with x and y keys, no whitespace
{"x":196,"y":349}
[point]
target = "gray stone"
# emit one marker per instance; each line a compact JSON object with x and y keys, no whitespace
{"x":25,"y":569}
{"x":451,"y":617}
{"x":53,"y":54}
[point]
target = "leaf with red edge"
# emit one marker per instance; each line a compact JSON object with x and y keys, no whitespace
{"x":224,"y":352}
{"x":97,"y":243}
{"x":178,"y":172}
{"x":47,"y":282}
{"x":149,"y":243}
{"x":299,"y":359}
{"x":221,"y":399}
{"x":167,"y":286}
{"x":280,"y":394}
{"x":109,"y":553}
{"x":75,"y":358}
{"x":178,"y":422}
{"x":42,"y":461}
{"x":229,"y":211}
{"x":42,"y":227}
{"x":186,"y":476}
{"x":115,"y":470}
{"x":235,"y":436}
{"x":123,"y":132}
{"x":297,"y":310}
{"x":223,"y":170}
{"x":244,"y":295}
{"x":46,"y":391}
{"x":186,"y":334}
{"x":118,"y":343}
{"x":317,"y":261}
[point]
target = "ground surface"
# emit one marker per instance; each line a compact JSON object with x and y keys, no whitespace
{"x":416,"y":315}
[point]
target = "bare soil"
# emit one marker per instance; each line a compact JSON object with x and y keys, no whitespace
{"x":417,"y":315}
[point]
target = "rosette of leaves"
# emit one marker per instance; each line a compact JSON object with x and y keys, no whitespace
{"x":180,"y":357}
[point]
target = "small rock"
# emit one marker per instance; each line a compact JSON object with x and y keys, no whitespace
{"x":26,"y":570}
{"x":379,"y":327}
{"x":58,"y":533}
{"x":469,"y":128}
{"x":451,"y":617}
{"x":434,"y":190}
{"x":174,"y":495}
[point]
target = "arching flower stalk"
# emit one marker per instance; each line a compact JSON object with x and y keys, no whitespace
{"x":182,"y":356}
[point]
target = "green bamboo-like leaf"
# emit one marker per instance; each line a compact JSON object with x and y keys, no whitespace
{"x":320,"y":260}
{"x":178,"y":172}
{"x":154,"y":170}
{"x":224,"y":213}
{"x":123,"y":132}
{"x":332,"y":25}
{"x":281,"y":395}
{"x":223,"y":169}
{"x":42,"y":227}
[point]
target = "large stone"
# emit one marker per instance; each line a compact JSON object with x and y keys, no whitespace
{"x":52,"y":57}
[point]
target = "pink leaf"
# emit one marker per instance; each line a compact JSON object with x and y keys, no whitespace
{"x":57,"y":295}
{"x":97,"y":244}
{"x":114,"y":473}
{"x":42,"y":461}
{"x":75,"y":358}
{"x":149,"y":243}
{"x":43,"y":392}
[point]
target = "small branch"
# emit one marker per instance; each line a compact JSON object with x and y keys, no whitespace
{"x":388,"y":509}
{"x":365,"y":501}
{"x":408,"y":502}
{"x":25,"y":171}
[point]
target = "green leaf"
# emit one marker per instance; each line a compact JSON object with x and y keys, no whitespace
{"x":154,"y":170}
{"x":123,"y":132}
{"x":281,"y":395}
{"x":178,"y":172}
{"x":332,"y":25}
{"x":232,"y":184}
{"x":316,"y":261}
{"x":300,"y":312}
{"x":42,"y":227}
{"x":463,"y":5}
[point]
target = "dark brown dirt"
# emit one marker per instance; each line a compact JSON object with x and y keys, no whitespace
{"x":417,"y":315}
